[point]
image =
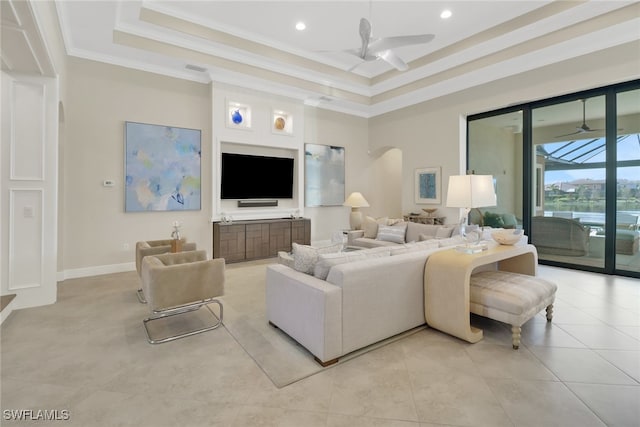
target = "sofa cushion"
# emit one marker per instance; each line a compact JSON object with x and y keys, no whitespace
{"x":414,"y":230}
{"x":493,"y":220}
{"x":370,"y":226}
{"x":443,"y":232}
{"x":509,"y":220}
{"x":392,"y":233}
{"x":371,"y":243}
{"x":414,"y":247}
{"x":326,"y":261}
{"x":305,"y":257}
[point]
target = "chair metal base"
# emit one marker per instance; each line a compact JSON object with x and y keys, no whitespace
{"x":141,"y":297}
{"x":181,"y":310}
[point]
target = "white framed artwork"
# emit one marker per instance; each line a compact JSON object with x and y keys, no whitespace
{"x":427,"y":186}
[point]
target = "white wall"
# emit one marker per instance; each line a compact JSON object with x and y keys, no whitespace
{"x":331,"y":128}
{"x":259,"y":138}
{"x":429,"y":134}
{"x":101,"y":97}
{"x":99,"y":237}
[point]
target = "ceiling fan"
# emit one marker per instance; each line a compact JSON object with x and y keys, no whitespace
{"x":373,"y":49}
{"x":582,"y":128}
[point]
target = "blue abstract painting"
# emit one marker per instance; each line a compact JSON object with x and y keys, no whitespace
{"x":427,"y":185}
{"x":162,"y":168}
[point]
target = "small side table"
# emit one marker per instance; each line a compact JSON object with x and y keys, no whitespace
{"x":176,"y":245}
{"x":422,"y":219}
{"x":446,"y":284}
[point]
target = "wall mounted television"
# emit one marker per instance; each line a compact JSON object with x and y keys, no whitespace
{"x":245,"y":176}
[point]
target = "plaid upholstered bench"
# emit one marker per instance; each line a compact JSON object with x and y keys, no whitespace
{"x":510,"y":298}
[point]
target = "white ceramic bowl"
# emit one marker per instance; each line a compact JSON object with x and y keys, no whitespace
{"x":507,"y":237}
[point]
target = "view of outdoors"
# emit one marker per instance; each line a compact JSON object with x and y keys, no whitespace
{"x":570,"y":168}
{"x":582,"y":190}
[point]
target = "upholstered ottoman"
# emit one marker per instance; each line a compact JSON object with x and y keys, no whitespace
{"x":510,"y":298}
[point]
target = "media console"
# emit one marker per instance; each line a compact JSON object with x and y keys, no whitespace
{"x":255,"y":239}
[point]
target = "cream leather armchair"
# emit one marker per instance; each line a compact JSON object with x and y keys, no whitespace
{"x":177,"y":283}
{"x":155,"y":247}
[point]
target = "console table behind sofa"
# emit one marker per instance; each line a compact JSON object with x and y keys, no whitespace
{"x":246,"y":240}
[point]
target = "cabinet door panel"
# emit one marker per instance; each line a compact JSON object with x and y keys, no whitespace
{"x":257,"y":241}
{"x":231,"y":240}
{"x":279,"y":237}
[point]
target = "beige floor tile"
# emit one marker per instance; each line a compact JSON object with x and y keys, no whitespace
{"x":338,"y":420}
{"x":88,"y":353}
{"x":602,"y":337}
{"x":581,"y":365}
{"x":614,"y":315}
{"x":542,"y":403}
{"x":451,"y":397}
{"x":632,"y":331}
{"x":547,"y":334}
{"x":616,"y":405}
{"x":276,"y":417}
{"x":376,"y":392}
{"x":628,"y":361}
{"x":493,"y":361}
{"x":566,"y":313}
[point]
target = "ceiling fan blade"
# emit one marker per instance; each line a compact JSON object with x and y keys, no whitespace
{"x":578,"y":132}
{"x":365,"y":35}
{"x":393,"y":59}
{"x":387,"y":43}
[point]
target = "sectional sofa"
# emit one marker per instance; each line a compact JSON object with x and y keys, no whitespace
{"x":390,"y":232}
{"x":352,"y":299}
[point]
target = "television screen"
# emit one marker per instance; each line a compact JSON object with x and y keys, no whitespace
{"x":246,"y":176}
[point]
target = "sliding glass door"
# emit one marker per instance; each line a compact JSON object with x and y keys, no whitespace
{"x":569,"y":153}
{"x":568,"y":168}
{"x":627,"y":229}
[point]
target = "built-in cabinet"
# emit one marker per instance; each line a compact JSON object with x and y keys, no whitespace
{"x":247,"y":240}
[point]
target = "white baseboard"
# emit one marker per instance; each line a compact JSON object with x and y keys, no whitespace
{"x":95,"y":271}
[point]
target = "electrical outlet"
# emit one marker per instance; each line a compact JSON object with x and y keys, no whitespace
{"x":125,"y":246}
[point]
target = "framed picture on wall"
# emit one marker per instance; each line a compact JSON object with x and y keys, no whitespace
{"x":427,"y":186}
{"x":324,"y":175}
{"x":162,"y":168}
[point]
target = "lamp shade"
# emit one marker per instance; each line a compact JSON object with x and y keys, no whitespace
{"x":471,"y":191}
{"x":356,"y":200}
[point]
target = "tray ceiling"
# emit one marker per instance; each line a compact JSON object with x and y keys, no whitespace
{"x":254,"y":44}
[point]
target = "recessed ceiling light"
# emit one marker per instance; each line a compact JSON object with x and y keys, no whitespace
{"x":301,"y":26}
{"x":446,"y":14}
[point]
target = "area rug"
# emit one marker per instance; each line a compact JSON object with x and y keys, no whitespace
{"x":280,"y":357}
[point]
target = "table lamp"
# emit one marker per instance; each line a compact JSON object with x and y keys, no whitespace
{"x":356,"y":201}
{"x":470,"y":192}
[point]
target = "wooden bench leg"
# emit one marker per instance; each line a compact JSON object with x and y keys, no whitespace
{"x":549,"y":312}
{"x":515,"y":336}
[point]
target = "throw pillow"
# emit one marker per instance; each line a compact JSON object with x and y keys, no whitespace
{"x":493,"y":220}
{"x":509,"y":220}
{"x":327,"y":261}
{"x":392,"y":233}
{"x":424,"y":237}
{"x":305,"y":257}
{"x":443,"y":232}
{"x":370,"y":226}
